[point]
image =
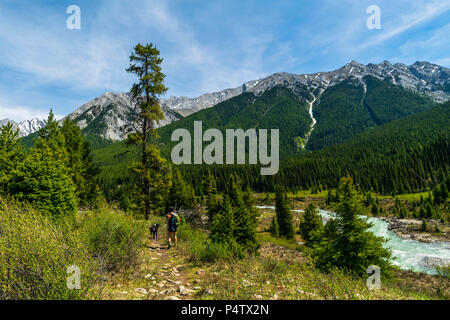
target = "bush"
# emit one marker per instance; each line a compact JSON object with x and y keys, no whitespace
{"x":200,"y":249}
{"x":35,"y":254}
{"x":443,"y":271}
{"x":113,"y":238}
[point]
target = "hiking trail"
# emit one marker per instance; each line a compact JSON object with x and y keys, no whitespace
{"x":160,"y":274}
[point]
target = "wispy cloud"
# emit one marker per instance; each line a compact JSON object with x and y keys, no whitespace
{"x":51,"y":53}
{"x":21,"y":113}
{"x":417,"y":14}
{"x":198,"y":67}
{"x":207,"y":46}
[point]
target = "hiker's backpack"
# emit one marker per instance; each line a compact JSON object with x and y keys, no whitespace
{"x":177,"y":219}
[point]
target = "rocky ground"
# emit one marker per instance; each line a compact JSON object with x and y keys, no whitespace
{"x":160,"y":274}
{"x":411,"y":229}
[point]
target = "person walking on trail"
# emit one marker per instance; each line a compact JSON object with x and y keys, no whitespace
{"x":173,"y":221}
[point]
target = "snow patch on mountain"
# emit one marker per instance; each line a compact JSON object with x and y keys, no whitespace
{"x":109,"y":115}
{"x":26,"y":127}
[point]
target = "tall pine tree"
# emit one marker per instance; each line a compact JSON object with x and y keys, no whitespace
{"x":244,"y":221}
{"x":145,"y":63}
{"x":81,"y":163}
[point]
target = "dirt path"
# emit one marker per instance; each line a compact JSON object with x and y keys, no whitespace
{"x":160,"y":274}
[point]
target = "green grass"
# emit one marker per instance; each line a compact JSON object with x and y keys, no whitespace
{"x":277,"y":279}
{"x":408,"y":196}
{"x":267,"y":237}
{"x":323,"y":194}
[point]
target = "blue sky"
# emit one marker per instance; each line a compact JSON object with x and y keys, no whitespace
{"x":206,"y":45}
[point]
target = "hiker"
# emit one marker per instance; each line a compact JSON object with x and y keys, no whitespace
{"x":173,"y":221}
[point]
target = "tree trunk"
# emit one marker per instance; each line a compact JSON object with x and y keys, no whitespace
{"x":146,"y":190}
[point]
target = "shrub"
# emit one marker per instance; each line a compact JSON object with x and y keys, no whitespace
{"x":113,"y":238}
{"x":199,"y":248}
{"x":35,"y":254}
{"x":443,"y":271}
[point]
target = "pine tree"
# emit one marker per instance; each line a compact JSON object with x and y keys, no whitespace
{"x":444,"y":192}
{"x":329,"y":200}
{"x":437,"y":195}
{"x":222,"y":229}
{"x":181,"y":195}
{"x":374,"y":210}
{"x":244,"y":222}
{"x":428,"y":210}
{"x":284,"y":215}
{"x":43,"y":179}
{"x":81,"y":164}
{"x":209,"y":187}
{"x":274,"y":229}
{"x":250,"y":203}
{"x":209,"y":191}
{"x":11,"y":154}
{"x":145,"y":62}
{"x":311,"y":222}
{"x":91,"y":193}
{"x":346,"y":242}
{"x":422,"y":213}
{"x":158,"y":175}
{"x":51,"y":132}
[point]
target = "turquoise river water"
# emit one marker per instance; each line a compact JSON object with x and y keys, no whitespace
{"x":409,"y":254}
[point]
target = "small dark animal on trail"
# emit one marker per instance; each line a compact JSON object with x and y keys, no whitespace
{"x":154,"y":231}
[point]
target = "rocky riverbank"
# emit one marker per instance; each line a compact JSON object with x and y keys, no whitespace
{"x":411,"y":229}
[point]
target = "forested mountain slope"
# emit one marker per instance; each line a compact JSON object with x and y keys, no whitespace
{"x":406,"y":155}
{"x":278,"y":108}
{"x":353,"y":106}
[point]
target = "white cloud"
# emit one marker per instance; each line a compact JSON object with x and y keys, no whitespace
{"x":197,"y":67}
{"x":51,"y":53}
{"x":94,"y":58}
{"x":21,"y":113}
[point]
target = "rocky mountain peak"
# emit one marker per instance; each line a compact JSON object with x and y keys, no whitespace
{"x":25,"y":127}
{"x":109,"y":114}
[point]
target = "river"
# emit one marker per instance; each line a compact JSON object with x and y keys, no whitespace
{"x":409,"y":254}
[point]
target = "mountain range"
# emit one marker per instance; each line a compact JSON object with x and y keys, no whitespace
{"x":26,"y":127}
{"x":107,"y":116}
